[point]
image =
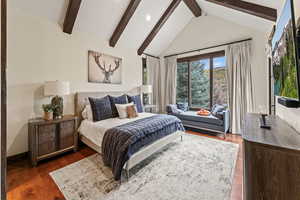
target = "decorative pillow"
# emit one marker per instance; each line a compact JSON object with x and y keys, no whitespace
{"x":101,"y":108}
{"x":132,"y":111}
{"x":87,"y":113}
{"x":183,"y":106}
{"x":217,"y":111}
{"x":137,"y":101}
{"x":117,"y":100}
{"x":219,"y":115}
{"x":217,"y":108}
{"x":172,"y":108}
{"x":122,"y":110}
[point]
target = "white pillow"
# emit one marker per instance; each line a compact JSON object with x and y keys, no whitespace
{"x":122,"y":109}
{"x":87,"y":113}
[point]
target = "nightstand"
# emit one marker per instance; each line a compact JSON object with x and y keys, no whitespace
{"x":50,"y":138}
{"x":150,"y":108}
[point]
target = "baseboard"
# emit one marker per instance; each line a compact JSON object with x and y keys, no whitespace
{"x":20,"y":156}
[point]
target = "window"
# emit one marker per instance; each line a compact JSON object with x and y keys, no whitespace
{"x":201,"y":80}
{"x":200,"y":83}
{"x":144,"y":71}
{"x":145,"y":78}
{"x":219,"y":81}
{"x":182,"y":82}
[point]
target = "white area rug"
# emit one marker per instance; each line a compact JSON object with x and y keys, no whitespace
{"x":197,"y":168}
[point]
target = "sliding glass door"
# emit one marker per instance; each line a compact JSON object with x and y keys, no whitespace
{"x":200,"y":83}
{"x":182,"y":82}
{"x":201,"y":80}
{"x":219,"y":81}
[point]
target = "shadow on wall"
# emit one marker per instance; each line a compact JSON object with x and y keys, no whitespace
{"x":25,"y":102}
{"x":63,"y":13}
{"x":38,"y":100}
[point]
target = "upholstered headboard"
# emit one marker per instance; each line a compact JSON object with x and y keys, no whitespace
{"x":81,"y":99}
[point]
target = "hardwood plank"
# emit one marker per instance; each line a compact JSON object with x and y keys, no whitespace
{"x":71,"y":15}
{"x":25,"y":182}
{"x":194,"y":7}
{"x":3,"y":98}
{"x":158,"y":25}
{"x":250,"y":8}
{"x":123,"y":22}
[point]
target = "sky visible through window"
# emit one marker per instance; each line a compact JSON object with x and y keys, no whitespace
{"x":286,"y":15}
{"x":219,"y":62}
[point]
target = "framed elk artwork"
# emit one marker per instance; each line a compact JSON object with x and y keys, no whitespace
{"x":104,"y":68}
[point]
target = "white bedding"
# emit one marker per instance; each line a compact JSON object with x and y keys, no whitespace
{"x":94,"y":131}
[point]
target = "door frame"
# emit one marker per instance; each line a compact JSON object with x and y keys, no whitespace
{"x":3,"y":98}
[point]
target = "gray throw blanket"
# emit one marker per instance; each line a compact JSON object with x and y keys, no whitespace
{"x":120,"y":142}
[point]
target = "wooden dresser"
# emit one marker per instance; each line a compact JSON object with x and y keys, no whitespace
{"x":271,"y":160}
{"x":50,"y":138}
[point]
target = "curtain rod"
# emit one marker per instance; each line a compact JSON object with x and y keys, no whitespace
{"x":146,"y":54}
{"x":177,"y":54}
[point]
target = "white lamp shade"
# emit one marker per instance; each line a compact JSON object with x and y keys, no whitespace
{"x":59,"y":88}
{"x":146,"y":89}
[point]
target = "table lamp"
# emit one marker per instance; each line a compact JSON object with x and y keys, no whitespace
{"x":147,"y":89}
{"x":57,"y":89}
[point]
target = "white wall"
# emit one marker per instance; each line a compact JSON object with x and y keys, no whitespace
{"x":39,"y":51}
{"x":209,"y":31}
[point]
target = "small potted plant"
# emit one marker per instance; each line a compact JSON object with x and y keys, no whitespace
{"x":48,"y":111}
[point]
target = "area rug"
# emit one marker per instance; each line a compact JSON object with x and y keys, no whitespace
{"x":196,"y":168}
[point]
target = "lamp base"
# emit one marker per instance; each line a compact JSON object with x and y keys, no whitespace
{"x":58,"y":107}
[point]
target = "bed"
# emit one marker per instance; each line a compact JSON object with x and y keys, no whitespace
{"x":92,"y":133}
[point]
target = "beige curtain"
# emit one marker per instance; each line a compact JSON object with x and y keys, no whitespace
{"x":240,"y":83}
{"x":170,"y":82}
{"x":153,"y":78}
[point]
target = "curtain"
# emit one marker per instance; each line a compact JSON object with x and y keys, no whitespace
{"x":240,"y":83}
{"x":153,"y":78}
{"x":170,"y":81}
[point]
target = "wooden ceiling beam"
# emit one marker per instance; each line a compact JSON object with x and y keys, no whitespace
{"x":123,"y":22}
{"x":250,"y":8}
{"x":158,"y":26}
{"x":194,"y":7}
{"x":71,"y":15}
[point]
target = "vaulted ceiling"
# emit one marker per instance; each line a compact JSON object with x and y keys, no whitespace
{"x":101,"y":17}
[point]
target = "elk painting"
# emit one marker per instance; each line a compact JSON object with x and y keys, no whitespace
{"x":104,"y":68}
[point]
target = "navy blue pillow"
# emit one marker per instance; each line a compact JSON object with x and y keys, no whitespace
{"x":217,"y":108}
{"x":101,"y":108}
{"x":117,"y":100}
{"x":137,"y":101}
{"x":217,"y":111}
{"x":172,"y":109}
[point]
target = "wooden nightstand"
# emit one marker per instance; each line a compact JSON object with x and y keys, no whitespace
{"x":50,"y":138}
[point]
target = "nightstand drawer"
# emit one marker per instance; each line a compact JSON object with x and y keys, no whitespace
{"x":46,"y":139}
{"x":66,"y":134}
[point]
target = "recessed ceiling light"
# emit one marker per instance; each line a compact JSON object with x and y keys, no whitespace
{"x":148,"y":17}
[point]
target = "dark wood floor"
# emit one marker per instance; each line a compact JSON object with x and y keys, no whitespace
{"x":27,"y":183}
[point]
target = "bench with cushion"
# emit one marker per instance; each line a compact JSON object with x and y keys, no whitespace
{"x":217,"y":122}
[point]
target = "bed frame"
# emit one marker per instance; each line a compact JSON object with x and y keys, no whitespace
{"x":81,"y":100}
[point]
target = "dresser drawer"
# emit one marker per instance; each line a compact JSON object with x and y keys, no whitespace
{"x":66,"y":134}
{"x":46,"y":139}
